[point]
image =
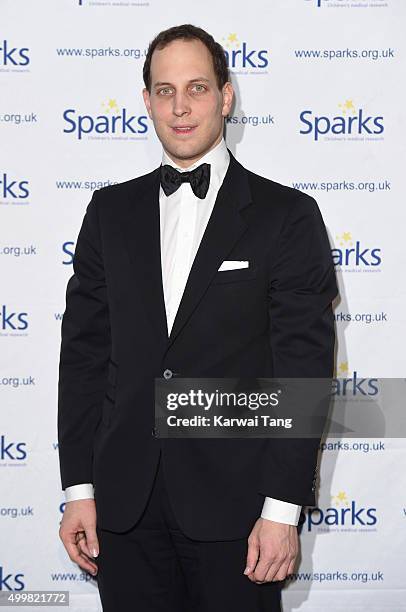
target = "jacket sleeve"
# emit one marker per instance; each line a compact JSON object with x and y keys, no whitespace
{"x":84,"y":354}
{"x":302,"y":285}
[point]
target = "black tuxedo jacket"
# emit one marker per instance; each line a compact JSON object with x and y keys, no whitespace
{"x":273,"y":318}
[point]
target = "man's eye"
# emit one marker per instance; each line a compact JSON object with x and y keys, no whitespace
{"x":164,"y":91}
{"x":200,"y":88}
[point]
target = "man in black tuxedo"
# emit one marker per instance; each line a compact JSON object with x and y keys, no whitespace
{"x":200,"y":268}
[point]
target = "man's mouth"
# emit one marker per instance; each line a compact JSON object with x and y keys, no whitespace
{"x":184,"y":129}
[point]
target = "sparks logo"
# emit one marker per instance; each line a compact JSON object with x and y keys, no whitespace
{"x":114,"y":120}
{"x":68,"y":248}
{"x":13,"y":189}
{"x":12,"y":451}
{"x":343,"y":514}
{"x":350,"y":253}
{"x":351,"y":123}
{"x":13,"y":56}
{"x":346,"y":384}
{"x":12,"y":321}
{"x":239,"y":55}
{"x":10,"y":582}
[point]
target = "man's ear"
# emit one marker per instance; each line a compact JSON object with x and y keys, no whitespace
{"x":147,"y":101}
{"x":228,"y":94}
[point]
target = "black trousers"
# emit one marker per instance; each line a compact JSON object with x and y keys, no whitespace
{"x":154,"y":567}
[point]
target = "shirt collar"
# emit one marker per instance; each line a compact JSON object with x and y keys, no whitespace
{"x":218,"y":158}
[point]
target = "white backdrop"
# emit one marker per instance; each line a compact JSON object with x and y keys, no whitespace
{"x":320,"y":106}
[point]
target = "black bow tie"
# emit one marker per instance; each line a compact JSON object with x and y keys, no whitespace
{"x":199,"y":179}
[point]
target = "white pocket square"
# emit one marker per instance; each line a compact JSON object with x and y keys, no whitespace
{"x":233,"y":265}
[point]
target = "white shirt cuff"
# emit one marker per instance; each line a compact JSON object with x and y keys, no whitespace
{"x":79,"y":491}
{"x":280,"y":511}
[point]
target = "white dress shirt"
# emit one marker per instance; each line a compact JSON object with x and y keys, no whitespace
{"x":183,"y":219}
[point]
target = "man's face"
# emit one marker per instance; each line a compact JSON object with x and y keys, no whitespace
{"x":184,"y":94}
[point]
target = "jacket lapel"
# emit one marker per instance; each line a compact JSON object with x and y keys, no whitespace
{"x":141,"y":226}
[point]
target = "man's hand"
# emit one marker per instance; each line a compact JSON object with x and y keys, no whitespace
{"x":78,"y":533}
{"x":276,"y":545}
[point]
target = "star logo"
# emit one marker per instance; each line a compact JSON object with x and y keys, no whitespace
{"x":342,"y":368}
{"x":110,"y":106}
{"x":340,"y":499}
{"x":345,"y":239}
{"x":230,"y":40}
{"x":348,"y":107}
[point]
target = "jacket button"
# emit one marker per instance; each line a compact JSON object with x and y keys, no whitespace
{"x":154,"y":431}
{"x":168,"y":374}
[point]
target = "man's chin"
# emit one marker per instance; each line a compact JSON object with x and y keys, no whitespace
{"x":184,"y":150}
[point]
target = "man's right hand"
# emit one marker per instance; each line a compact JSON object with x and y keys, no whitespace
{"x":78,"y":533}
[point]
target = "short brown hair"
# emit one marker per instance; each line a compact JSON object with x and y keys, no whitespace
{"x":188,"y":32}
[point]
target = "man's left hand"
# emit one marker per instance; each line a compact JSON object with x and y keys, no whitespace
{"x":272,"y":551}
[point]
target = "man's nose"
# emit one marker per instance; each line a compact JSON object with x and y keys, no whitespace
{"x":181,"y":105}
